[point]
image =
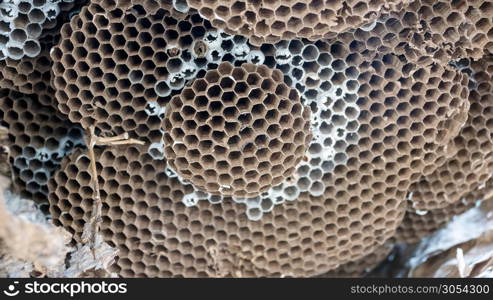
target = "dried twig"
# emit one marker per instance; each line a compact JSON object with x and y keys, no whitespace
{"x":121,"y":139}
{"x":91,"y":229}
{"x":4,"y":153}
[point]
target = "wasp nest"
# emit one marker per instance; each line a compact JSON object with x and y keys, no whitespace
{"x":236,"y":132}
{"x":141,"y":217}
{"x":22,"y":23}
{"x":39,"y":138}
{"x":29,"y":75}
{"x":109,"y":61}
{"x":32,"y":75}
{"x":361,"y":267}
{"x":272,"y":21}
{"x":473,"y":163}
{"x":421,"y":223}
{"x":404,"y":110}
{"x":370,"y":118}
{"x":117,"y":68}
{"x":444,"y":30}
{"x":334,"y":80}
{"x":462,"y":29}
{"x":418,"y":224}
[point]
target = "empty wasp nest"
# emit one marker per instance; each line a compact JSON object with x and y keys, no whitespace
{"x":272,"y":21}
{"x":407,"y":113}
{"x":418,"y":224}
{"x":445,"y":30}
{"x":137,"y":208}
{"x":22,"y":23}
{"x":372,"y":119}
{"x":472,"y":164}
{"x":141,"y":216}
{"x":462,"y":29}
{"x":32,"y":75}
{"x":236,"y":132}
{"x":29,"y":75}
{"x":39,"y":138}
{"x":114,"y":67}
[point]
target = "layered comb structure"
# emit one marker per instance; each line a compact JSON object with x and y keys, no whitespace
{"x":443,"y":30}
{"x":29,"y":75}
{"x":236,"y":132}
{"x":22,"y":23}
{"x":281,"y":138}
{"x":473,"y":163}
{"x":141,"y":216}
{"x":463,"y":29}
{"x":105,"y":69}
{"x":327,"y":77}
{"x":404,"y":115}
{"x":39,"y":138}
{"x":271,"y":21}
{"x":32,"y":75}
{"x":418,"y":224}
{"x":117,"y":68}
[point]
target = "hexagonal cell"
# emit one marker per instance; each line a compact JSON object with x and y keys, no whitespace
{"x":387,"y":117}
{"x":419,"y":224}
{"x":361,"y":267}
{"x":123,"y":58}
{"x":39,"y":138}
{"x":29,"y":75}
{"x":23,"y":23}
{"x":470,"y":164}
{"x":232,"y":139}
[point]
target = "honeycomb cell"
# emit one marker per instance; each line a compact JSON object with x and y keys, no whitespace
{"x":143,"y":216}
{"x":29,"y":75}
{"x":418,"y":224}
{"x":23,"y":23}
{"x":383,"y":115}
{"x":442,"y":30}
{"x":472,"y":164}
{"x":39,"y":138}
{"x":236,"y":132}
{"x":272,"y":21}
{"x":117,"y":60}
{"x":361,"y":267}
